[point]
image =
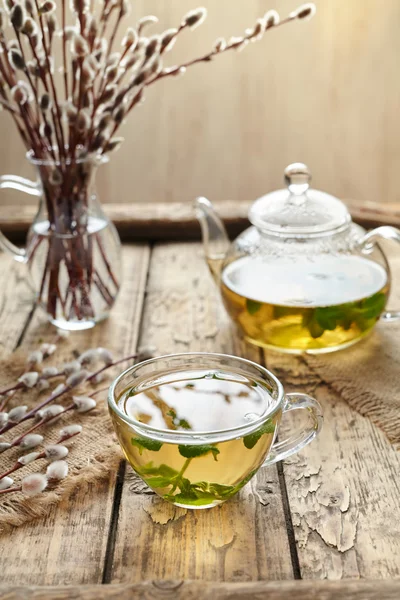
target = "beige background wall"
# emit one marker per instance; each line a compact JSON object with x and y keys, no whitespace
{"x":325,"y":92}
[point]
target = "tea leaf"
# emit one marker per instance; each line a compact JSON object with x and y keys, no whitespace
{"x":218,"y":490}
{"x":283,"y":311}
{"x":202,"y":492}
{"x":325,"y":319}
{"x":194,"y":451}
{"x":221,"y":490}
{"x":251,"y":440}
{"x":362,"y":324}
{"x":167,"y":471}
{"x":315,"y":329}
{"x":346,"y":322}
{"x":203,"y":485}
{"x":162,"y":470}
{"x":185,"y":486}
{"x":177,"y":421}
{"x":158,"y":482}
{"x":152,"y":445}
{"x":362,"y":313}
{"x":377,"y":300}
{"x":372,"y":307}
{"x":207,"y":496}
{"x":252,"y":306}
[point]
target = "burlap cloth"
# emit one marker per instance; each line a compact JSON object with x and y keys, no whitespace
{"x":94,"y":454}
{"x":367,"y":376}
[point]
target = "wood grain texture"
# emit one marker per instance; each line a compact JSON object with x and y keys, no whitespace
{"x":244,"y":539}
{"x":69,"y":546}
{"x":343,"y":489}
{"x":202,"y":590}
{"x":324,"y":92}
{"x":16,"y":303}
{"x":176,"y":221}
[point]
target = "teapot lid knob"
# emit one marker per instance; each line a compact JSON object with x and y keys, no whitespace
{"x":297,"y":178}
{"x":299,"y":210}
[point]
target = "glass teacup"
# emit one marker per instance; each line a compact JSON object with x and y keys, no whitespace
{"x":197,"y":427}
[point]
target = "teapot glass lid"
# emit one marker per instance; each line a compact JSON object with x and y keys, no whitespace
{"x":299,"y":210}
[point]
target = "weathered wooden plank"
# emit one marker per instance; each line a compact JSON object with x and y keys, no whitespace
{"x":203,"y":590}
{"x":176,"y":221}
{"x":245,"y":538}
{"x":343,"y":489}
{"x":16,"y":303}
{"x":69,"y":546}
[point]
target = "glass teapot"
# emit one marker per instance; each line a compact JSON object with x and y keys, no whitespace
{"x":304,"y":278}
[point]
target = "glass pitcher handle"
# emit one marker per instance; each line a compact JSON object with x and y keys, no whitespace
{"x":282,"y":449}
{"x":22,"y":185}
{"x":385,"y":232}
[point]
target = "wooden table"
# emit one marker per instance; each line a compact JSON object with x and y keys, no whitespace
{"x":331,"y":513}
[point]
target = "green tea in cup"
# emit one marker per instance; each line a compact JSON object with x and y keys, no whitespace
{"x":197,"y":427}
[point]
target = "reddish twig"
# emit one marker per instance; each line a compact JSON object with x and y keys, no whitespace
{"x":64,"y":43}
{"x":18,"y":440}
{"x":18,"y":465}
{"x":67,"y":389}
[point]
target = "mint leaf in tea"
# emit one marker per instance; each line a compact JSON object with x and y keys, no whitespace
{"x":298,"y":305}
{"x":193,"y":451}
{"x":197,"y":473}
{"x":146,"y":443}
{"x":251,"y":440}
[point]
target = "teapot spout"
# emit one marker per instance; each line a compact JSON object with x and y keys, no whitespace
{"x":215,"y":238}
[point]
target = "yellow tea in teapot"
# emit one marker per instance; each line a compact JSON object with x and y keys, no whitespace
{"x":305,"y":305}
{"x":197,"y":473}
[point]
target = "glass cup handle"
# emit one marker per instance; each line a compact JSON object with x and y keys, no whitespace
{"x":22,"y":185}
{"x":368,"y":242}
{"x":299,"y":439}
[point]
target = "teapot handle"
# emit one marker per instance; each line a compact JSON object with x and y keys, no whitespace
{"x":28,"y":187}
{"x":368,"y":242}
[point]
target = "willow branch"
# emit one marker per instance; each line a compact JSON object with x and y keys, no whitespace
{"x":18,"y":440}
{"x":66,"y":390}
{"x":114,"y":33}
{"x":209,"y":57}
{"x":64,"y":43}
{"x":9,"y":76}
{"x":9,"y":107}
{"x":57,"y":122}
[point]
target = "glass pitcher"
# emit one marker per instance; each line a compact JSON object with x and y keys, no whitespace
{"x":304,"y":278}
{"x":73,"y":250}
